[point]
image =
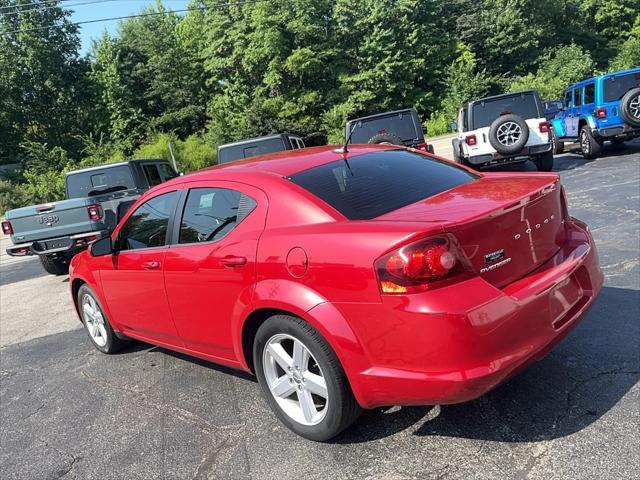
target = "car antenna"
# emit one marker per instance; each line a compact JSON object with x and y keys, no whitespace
{"x":353,"y":129}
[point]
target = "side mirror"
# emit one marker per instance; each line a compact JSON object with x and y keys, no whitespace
{"x":101,"y":247}
{"x":454,"y":126}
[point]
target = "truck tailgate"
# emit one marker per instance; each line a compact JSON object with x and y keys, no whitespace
{"x":51,"y":220}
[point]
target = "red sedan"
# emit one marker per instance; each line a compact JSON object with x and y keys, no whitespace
{"x":381,"y":276}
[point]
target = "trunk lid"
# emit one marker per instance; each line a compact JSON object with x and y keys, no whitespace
{"x":507,"y":225}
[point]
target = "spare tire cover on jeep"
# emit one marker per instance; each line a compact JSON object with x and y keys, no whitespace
{"x":387,"y":137}
{"x":630,"y":107}
{"x":508,"y":134}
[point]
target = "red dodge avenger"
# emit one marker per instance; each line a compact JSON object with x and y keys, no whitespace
{"x":345,"y":280}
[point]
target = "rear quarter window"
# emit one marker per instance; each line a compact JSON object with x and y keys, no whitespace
{"x":370,"y":185}
{"x":614,"y":88}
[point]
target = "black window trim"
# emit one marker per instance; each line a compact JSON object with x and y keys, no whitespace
{"x":179,"y":213}
{"x":170,"y":224}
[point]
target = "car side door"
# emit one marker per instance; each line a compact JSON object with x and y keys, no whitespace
{"x":570,"y":125}
{"x":210,"y":267}
{"x":132,"y":278}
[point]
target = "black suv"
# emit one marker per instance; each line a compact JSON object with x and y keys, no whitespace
{"x":252,"y":147}
{"x":400,"y":127}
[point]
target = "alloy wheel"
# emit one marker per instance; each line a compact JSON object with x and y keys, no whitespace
{"x":634,"y":107}
{"x":584,"y":142}
{"x":94,"y":320}
{"x":295,"y":379}
{"x":509,"y":133}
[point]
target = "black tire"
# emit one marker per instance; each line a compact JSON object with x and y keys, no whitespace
{"x":558,"y":146}
{"x":391,"y":138}
{"x":630,"y":107}
{"x":617,"y":141}
{"x":590,"y":145}
{"x":545,"y":162}
{"x":455,"y":143}
{"x":495,"y":130}
{"x":112,"y":342}
{"x":55,"y":265}
{"x":342,"y":408}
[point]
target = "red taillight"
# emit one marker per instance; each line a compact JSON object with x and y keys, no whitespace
{"x":601,"y":113}
{"x":471,"y":140}
{"x":7,"y":229}
{"x":95,"y":212}
{"x":421,"y":266}
{"x":545,"y":127}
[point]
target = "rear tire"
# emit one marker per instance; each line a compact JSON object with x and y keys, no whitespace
{"x":558,"y":146}
{"x":590,"y":145}
{"x":617,"y":141}
{"x":455,"y":143}
{"x":545,"y":162}
{"x":96,"y":322}
{"x":289,"y":380}
{"x":55,"y":265}
{"x":389,"y":138}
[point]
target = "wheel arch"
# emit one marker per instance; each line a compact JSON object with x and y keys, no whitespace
{"x":76,"y":284}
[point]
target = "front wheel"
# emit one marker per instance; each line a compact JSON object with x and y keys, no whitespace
{"x":96,"y":323}
{"x":55,"y":265}
{"x":590,"y":145}
{"x":303,"y":379}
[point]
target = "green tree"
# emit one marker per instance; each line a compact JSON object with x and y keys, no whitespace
{"x":44,"y":92}
{"x":629,"y":53}
{"x":560,"y":68}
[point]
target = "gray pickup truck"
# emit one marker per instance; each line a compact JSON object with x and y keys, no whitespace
{"x":96,"y":199}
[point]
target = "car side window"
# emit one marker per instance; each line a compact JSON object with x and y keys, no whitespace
{"x":147,"y":226}
{"x":589,"y":94}
{"x":152,"y":174}
{"x":568,"y":102}
{"x":577,"y":97}
{"x":211,"y":213}
{"x":166,"y":171}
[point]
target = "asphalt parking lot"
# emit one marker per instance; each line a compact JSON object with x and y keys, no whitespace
{"x":68,"y":411}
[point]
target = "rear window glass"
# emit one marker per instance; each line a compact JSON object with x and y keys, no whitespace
{"x":246,"y":150}
{"x":95,"y":182}
{"x":485,"y":112}
{"x":371,"y":185}
{"x":615,"y":87}
{"x":402,"y":125}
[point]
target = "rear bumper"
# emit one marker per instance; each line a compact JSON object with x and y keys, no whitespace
{"x":458,"y":342}
{"x":492,"y":159}
{"x":50,"y":246}
{"x":619,"y":131}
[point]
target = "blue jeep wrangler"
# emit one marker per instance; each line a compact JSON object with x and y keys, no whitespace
{"x":598,"y":109}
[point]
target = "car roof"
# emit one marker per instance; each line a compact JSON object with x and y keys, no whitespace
{"x":502,"y":95}
{"x":383,"y":114}
{"x":117,"y":164}
{"x":604,"y":75}
{"x":257,"y":139}
{"x":279,"y":164}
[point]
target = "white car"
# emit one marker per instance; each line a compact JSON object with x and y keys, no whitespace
{"x":504,"y":129}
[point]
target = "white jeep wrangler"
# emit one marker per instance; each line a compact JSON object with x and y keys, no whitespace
{"x":504,"y":129}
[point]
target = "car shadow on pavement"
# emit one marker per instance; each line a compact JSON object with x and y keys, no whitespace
{"x":19,"y":270}
{"x":575,"y":385}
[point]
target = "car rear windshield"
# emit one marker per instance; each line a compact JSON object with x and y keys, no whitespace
{"x":615,"y":87}
{"x":95,"y":182}
{"x":370,"y":185}
{"x":486,"y":111}
{"x":250,"y":149}
{"x":401,"y":125}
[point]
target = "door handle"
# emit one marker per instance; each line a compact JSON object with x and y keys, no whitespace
{"x":233,"y":261}
{"x":152,"y":265}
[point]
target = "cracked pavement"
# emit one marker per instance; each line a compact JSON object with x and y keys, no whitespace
{"x":69,"y":412}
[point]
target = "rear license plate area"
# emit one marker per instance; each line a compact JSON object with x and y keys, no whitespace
{"x":563,"y":297}
{"x":56,"y":244}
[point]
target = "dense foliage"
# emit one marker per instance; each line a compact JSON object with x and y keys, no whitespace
{"x":226,"y":71}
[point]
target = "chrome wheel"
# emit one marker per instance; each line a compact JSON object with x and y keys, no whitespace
{"x":634,"y":107}
{"x":509,"y":133}
{"x":94,"y":320}
{"x":584,"y":142}
{"x":295,"y":379}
